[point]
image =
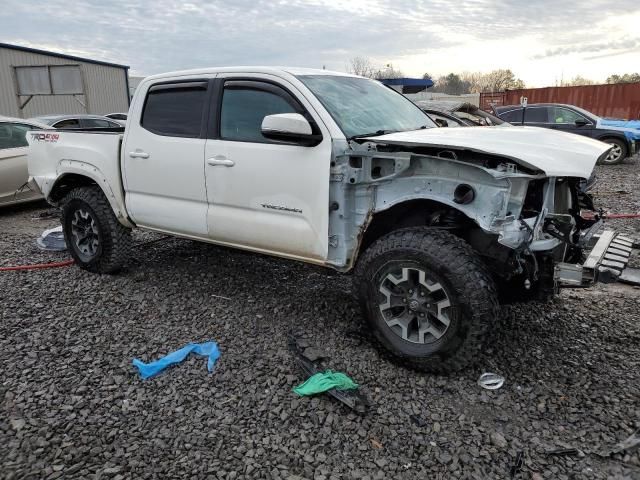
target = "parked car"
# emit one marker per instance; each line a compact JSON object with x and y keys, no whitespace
{"x":78,"y":121}
{"x":572,"y":119}
{"x":13,"y":160}
{"x":450,"y":113}
{"x":340,"y":171}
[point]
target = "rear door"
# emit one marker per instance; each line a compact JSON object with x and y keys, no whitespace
{"x":265,"y":195}
{"x":537,"y":117}
{"x":163,"y":158}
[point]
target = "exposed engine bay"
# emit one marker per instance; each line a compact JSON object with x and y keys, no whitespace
{"x":520,"y":221}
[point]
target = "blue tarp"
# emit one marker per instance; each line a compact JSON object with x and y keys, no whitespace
{"x":610,"y":122}
{"x":207,"y":349}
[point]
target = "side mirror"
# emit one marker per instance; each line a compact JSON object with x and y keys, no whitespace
{"x":289,"y":128}
{"x":581,"y":122}
{"x":441,"y":123}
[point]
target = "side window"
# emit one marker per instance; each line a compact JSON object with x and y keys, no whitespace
{"x":96,"y":123}
{"x":13,"y":135}
{"x":71,"y":123}
{"x":564,"y":115}
{"x":175,"y":110}
{"x":536,"y":115}
{"x":244,"y":107}
{"x":513,"y":116}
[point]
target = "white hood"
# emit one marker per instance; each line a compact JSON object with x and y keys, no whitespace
{"x":558,"y":154}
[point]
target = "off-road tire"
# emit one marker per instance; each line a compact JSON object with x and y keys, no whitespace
{"x":470,"y":288}
{"x":624,"y":151}
{"x":114,"y":239}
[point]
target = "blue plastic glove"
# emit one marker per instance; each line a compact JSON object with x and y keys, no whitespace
{"x":208,"y":349}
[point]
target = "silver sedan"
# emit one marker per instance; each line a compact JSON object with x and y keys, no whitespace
{"x":13,"y":160}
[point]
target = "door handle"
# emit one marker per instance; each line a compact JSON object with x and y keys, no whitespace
{"x":138,"y":154}
{"x":220,"y":160}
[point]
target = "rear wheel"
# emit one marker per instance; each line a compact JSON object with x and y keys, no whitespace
{"x":617,"y":154}
{"x":428,"y":298}
{"x":96,"y":240}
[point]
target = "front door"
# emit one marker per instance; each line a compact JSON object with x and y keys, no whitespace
{"x":564,"y":119}
{"x":265,"y":195}
{"x":163,"y":159}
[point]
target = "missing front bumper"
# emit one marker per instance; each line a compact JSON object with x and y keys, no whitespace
{"x":605,"y":263}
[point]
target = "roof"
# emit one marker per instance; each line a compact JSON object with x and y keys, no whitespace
{"x":504,"y":107}
{"x":296,"y":71}
{"x":408,"y":82}
{"x":60,"y":55}
{"x":443,"y":105}
{"x":50,"y":119}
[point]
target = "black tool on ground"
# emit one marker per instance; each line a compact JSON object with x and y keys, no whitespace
{"x":351,"y":398}
{"x":563,"y":452}
{"x":517,"y":466}
{"x":419,"y":421}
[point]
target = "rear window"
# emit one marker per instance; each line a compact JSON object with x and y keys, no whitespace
{"x":69,"y":123}
{"x":175,"y":110}
{"x":13,"y":135}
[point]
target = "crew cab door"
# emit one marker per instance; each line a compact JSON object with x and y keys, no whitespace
{"x":265,"y":195}
{"x":163,"y":158}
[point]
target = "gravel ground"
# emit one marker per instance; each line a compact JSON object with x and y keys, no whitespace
{"x":74,"y":407}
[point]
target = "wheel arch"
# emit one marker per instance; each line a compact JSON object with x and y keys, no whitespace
{"x":413,"y":212}
{"x":80,"y":174}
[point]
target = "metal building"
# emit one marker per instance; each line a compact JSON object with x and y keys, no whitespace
{"x":36,"y":82}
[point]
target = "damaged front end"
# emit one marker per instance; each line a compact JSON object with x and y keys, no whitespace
{"x":527,"y":226}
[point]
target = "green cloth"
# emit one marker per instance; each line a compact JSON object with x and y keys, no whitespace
{"x":323,"y":381}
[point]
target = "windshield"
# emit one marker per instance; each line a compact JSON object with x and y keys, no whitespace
{"x":365,"y":107}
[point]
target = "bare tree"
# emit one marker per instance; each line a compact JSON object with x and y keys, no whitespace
{"x":494,"y":81}
{"x":577,"y":81}
{"x":388,"y":72}
{"x":626,"y":78}
{"x":362,"y":66}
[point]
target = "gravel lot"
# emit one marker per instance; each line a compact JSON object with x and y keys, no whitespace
{"x":74,"y":407}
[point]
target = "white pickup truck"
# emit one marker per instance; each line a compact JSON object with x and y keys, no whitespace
{"x":439,"y":225}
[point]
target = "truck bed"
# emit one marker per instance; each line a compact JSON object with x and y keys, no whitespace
{"x":90,"y":153}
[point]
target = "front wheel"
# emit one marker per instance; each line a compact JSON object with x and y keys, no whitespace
{"x":618,"y":153}
{"x":428,"y":298}
{"x":96,"y":240}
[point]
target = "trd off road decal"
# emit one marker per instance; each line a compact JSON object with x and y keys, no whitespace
{"x":45,"y":137}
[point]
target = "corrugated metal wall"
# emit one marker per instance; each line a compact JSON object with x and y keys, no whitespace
{"x":620,"y":100}
{"x":105,"y":87}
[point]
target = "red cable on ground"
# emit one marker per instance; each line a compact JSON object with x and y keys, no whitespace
{"x":38,"y":266}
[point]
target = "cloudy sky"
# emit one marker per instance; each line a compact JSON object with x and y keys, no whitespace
{"x":539,"y":40}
